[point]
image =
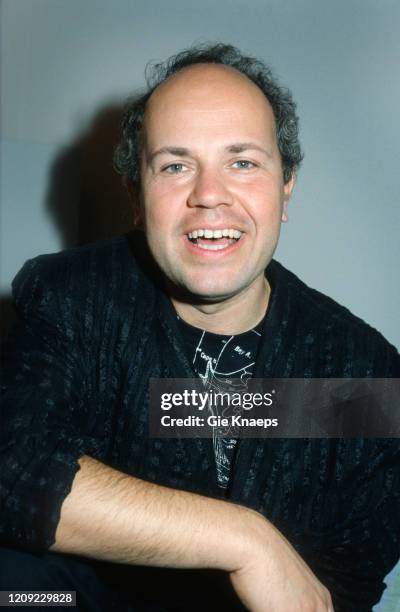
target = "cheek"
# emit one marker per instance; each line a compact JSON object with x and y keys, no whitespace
{"x":160,"y":188}
{"x":156,"y":220}
{"x":160,"y":221}
{"x":163,"y":202}
{"x":262,"y":200}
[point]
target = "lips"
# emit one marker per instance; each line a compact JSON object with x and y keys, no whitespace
{"x":214,"y":240}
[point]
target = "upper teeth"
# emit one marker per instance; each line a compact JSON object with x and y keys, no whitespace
{"x":207,"y":233}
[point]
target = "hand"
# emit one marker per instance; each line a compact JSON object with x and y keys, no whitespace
{"x":274,"y":578}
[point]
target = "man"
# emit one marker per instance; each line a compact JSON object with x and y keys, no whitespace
{"x":211,"y":152}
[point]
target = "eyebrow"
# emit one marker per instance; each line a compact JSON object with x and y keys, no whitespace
{"x":178,"y":151}
{"x":240,"y":147}
{"x":237,"y":147}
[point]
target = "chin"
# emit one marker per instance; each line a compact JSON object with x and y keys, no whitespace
{"x":210,"y":292}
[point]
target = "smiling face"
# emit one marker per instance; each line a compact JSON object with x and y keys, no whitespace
{"x":213,"y":194}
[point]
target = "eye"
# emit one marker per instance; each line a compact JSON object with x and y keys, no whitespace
{"x":244,"y":164}
{"x":174,"y":169}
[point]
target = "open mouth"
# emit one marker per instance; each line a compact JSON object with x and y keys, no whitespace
{"x":214,"y":240}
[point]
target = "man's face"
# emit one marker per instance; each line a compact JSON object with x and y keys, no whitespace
{"x":212,"y":185}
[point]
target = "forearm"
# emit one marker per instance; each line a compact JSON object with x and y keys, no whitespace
{"x":112,"y":516}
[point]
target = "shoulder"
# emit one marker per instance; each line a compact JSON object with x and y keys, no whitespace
{"x":91,"y":296}
{"x":81,"y":272}
{"x":93,"y":288}
{"x":338,"y":331}
{"x":97,"y":258}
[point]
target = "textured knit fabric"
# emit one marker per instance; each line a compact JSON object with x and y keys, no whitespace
{"x":95,"y":325}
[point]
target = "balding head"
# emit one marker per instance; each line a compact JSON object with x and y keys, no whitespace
{"x":127,"y":154}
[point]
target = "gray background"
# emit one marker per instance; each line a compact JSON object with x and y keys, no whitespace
{"x":68,"y":64}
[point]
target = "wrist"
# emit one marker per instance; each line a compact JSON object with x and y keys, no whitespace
{"x":247,"y":539}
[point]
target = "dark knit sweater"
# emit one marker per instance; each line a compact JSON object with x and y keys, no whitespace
{"x":95,"y":325}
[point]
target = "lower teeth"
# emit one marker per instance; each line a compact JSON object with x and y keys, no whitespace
{"x":213,"y":247}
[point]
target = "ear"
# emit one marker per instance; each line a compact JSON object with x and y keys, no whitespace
{"x":136,"y":204}
{"x":287,"y":192}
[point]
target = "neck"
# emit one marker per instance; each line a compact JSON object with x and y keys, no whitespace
{"x":229,"y":317}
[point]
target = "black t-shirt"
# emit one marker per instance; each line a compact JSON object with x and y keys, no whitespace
{"x":223,"y":363}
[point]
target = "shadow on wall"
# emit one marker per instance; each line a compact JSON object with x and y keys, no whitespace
{"x":85,"y":197}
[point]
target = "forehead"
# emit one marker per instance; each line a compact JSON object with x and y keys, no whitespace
{"x":207,"y":94}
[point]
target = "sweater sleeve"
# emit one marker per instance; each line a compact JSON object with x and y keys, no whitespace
{"x":45,"y":415}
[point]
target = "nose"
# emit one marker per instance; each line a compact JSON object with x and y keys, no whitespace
{"x":209,"y":190}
